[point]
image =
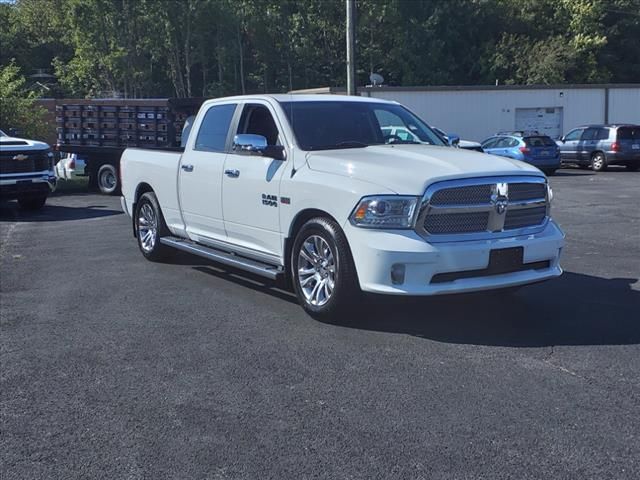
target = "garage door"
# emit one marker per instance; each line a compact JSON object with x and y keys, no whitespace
{"x":544,"y":120}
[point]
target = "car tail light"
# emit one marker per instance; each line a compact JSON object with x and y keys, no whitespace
{"x":525,"y":150}
{"x":615,"y":147}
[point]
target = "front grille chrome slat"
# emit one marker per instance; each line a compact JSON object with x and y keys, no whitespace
{"x":479,"y":208}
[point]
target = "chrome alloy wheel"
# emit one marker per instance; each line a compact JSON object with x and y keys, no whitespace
{"x":147,"y":227}
{"x":316,"y":270}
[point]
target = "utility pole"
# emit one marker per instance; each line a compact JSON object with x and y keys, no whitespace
{"x":351,"y":47}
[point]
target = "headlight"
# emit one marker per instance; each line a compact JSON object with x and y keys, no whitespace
{"x":549,"y":194}
{"x":385,"y":211}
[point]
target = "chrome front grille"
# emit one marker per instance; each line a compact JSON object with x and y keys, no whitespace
{"x":483,"y":208}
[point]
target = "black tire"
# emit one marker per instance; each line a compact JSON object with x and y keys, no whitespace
{"x":107,"y":179}
{"x":32,"y":202}
{"x":147,"y":209}
{"x":549,"y":171}
{"x":632,"y":167}
{"x":598,"y":162}
{"x":343,"y":298}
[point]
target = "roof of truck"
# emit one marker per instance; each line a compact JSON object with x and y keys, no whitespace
{"x":295,"y":97}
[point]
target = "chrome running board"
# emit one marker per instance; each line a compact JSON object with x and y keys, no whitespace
{"x":226,"y":258}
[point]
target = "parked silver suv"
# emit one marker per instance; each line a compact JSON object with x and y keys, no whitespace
{"x":599,"y":146}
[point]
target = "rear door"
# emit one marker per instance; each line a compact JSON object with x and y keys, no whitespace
{"x":251,"y":187}
{"x":587,"y":145}
{"x":201,"y":171}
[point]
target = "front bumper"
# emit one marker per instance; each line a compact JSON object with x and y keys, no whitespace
{"x":376,"y":252}
{"x":27,"y":184}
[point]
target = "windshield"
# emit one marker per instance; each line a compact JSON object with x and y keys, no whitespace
{"x":320,"y":125}
{"x":2,"y":134}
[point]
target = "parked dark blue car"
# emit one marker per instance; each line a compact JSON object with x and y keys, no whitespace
{"x":538,"y":150}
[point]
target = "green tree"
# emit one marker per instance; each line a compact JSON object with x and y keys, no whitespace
{"x":17,"y":108}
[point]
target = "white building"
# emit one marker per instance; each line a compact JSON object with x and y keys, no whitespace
{"x":477,"y":112}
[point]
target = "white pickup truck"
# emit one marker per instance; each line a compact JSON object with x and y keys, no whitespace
{"x":309,"y":188}
{"x":26,"y":171}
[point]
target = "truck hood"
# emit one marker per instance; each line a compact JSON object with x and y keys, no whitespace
{"x":409,"y":169}
{"x":21,"y":144}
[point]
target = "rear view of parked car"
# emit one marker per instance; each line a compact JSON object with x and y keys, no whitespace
{"x":598,"y":146}
{"x":538,"y":150}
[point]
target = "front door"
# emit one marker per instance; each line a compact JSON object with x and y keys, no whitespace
{"x":569,"y":146}
{"x":251,"y":187}
{"x":200,"y":174}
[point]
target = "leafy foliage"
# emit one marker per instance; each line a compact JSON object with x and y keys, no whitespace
{"x":217,"y":47}
{"x":17,"y":109}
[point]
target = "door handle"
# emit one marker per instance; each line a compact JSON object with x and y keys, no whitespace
{"x":187,"y":168}
{"x":232,"y":173}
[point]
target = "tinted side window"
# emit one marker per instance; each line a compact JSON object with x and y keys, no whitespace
{"x":539,"y":142}
{"x":573,"y":135}
{"x":214,"y":128}
{"x":603,"y":134}
{"x":590,"y":134}
{"x":629,"y":133}
{"x":257,"y":120}
{"x":489,"y":143}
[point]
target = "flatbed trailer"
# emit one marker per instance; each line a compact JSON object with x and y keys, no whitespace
{"x":99,"y":130}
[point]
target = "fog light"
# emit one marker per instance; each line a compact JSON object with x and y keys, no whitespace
{"x":397,"y":273}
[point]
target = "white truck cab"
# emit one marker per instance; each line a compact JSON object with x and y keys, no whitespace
{"x":26,"y":171}
{"x":313,"y":188}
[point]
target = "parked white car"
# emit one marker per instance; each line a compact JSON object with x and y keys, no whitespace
{"x":311,"y":189}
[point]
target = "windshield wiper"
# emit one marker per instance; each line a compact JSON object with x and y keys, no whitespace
{"x":339,"y":145}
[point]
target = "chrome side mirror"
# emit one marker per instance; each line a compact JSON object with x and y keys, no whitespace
{"x":251,"y":144}
{"x":246,"y":142}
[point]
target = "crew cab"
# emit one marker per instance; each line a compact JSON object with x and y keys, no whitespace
{"x":26,"y":171}
{"x":310,"y":189}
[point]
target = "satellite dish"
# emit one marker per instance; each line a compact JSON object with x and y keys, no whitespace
{"x":376,"y":79}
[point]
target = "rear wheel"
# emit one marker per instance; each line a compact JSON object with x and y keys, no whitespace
{"x":150,"y":227}
{"x":32,"y":202}
{"x":324,"y":276}
{"x":598,"y":162}
{"x":108,"y":179}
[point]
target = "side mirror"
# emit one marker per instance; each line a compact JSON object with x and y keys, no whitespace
{"x":454,"y":140}
{"x":251,"y":144}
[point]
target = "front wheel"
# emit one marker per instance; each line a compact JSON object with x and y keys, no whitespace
{"x":598,"y":162}
{"x":32,"y":202}
{"x":108,"y":179}
{"x":150,"y":226}
{"x":324,"y":276}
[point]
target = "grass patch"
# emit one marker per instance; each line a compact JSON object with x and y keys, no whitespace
{"x":74,"y":185}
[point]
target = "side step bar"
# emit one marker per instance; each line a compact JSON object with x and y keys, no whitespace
{"x":226,"y":258}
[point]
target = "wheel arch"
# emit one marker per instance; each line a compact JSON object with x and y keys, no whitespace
{"x":298,"y":221}
{"x":141,"y":189}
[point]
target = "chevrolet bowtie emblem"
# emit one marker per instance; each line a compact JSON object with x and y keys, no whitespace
{"x":20,"y":157}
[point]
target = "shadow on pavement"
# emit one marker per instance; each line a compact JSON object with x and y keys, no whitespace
{"x":9,"y":211}
{"x":575,"y":309}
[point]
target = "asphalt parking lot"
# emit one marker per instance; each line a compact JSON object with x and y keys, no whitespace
{"x":117,"y":368}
